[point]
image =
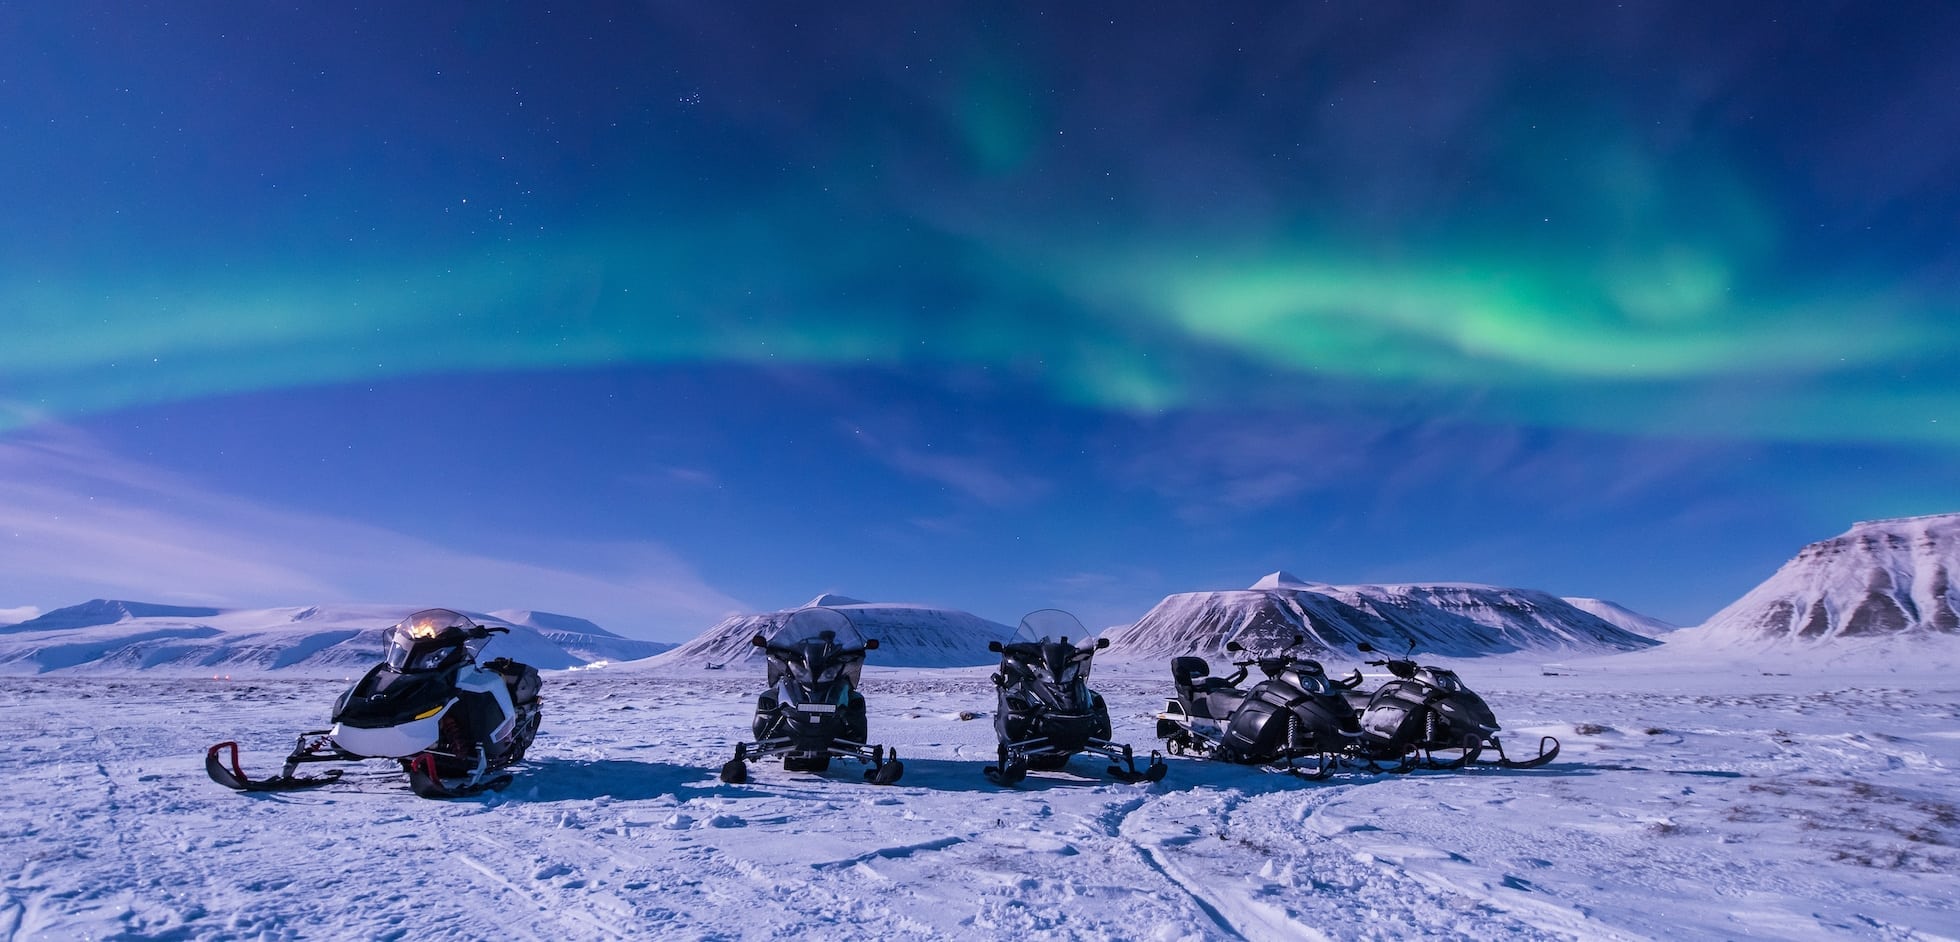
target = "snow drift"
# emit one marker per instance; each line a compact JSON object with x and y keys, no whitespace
{"x":1442,"y":619}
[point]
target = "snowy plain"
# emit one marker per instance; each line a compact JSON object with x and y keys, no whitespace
{"x":1691,"y":801}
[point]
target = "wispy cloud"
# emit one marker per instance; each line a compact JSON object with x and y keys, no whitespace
{"x":77,"y":521}
{"x":960,"y":469}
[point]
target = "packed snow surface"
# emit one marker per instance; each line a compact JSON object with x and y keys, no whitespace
{"x":1691,"y":801}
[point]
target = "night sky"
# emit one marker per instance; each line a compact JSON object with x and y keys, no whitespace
{"x":676,"y":309}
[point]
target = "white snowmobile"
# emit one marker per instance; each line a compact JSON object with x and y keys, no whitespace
{"x":452,"y":724}
{"x":1046,"y":712}
{"x":812,"y":710}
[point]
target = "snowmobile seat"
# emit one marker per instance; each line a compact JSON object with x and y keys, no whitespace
{"x":522,"y":679}
{"x":1193,"y":678}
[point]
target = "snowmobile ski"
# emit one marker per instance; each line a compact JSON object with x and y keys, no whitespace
{"x":231,"y":776}
{"x":1506,"y":762}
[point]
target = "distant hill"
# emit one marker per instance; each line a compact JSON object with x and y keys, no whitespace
{"x":1443,"y":619}
{"x":116,"y":636}
{"x":1620,"y":616}
{"x":1882,"y":579}
{"x":908,"y":636}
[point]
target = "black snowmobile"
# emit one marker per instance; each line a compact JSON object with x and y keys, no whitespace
{"x":1046,"y":711}
{"x":812,"y":710}
{"x":1296,"y":712}
{"x":1426,"y":716}
{"x":452,"y":724}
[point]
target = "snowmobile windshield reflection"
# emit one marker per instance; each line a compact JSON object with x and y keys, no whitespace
{"x":428,"y":640}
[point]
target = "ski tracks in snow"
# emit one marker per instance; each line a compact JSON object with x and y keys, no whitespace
{"x":1263,"y":867}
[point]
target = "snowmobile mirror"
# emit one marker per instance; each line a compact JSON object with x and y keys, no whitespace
{"x":993,"y":646}
{"x":1102,"y":643}
{"x":1299,"y":639}
{"x":1234,"y":647}
{"x":759,"y":641}
{"x":871,"y":645}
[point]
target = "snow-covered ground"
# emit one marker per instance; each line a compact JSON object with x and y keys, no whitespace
{"x":1697,"y":804}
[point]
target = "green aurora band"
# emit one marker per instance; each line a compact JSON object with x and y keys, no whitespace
{"x":1642,"y":349}
{"x":1627,"y":327}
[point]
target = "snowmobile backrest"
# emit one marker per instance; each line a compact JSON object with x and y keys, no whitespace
{"x":522,"y":679}
{"x":1187,"y":673}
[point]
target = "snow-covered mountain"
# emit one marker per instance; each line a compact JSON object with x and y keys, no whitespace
{"x":1619,"y":616}
{"x":1443,"y":619}
{"x":1880,"y":579}
{"x":908,"y":635}
{"x":579,"y":637}
{"x":114,"y":636}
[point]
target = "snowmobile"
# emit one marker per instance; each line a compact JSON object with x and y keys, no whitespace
{"x":1296,"y":712}
{"x":1046,"y":712}
{"x":812,"y":710}
{"x":452,"y":724}
{"x":1426,"y":712}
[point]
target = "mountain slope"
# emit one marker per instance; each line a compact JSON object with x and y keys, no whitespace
{"x":1446,"y":619}
{"x":908,"y":636}
{"x":1880,"y":579}
{"x":1619,"y":616}
{"x":579,"y":637}
{"x":115,"y":636}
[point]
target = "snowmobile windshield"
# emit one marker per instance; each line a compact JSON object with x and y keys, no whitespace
{"x":429,"y":640}
{"x":1056,"y":641}
{"x":819,"y":646}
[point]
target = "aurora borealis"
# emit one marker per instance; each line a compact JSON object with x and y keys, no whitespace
{"x":991,"y":308}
